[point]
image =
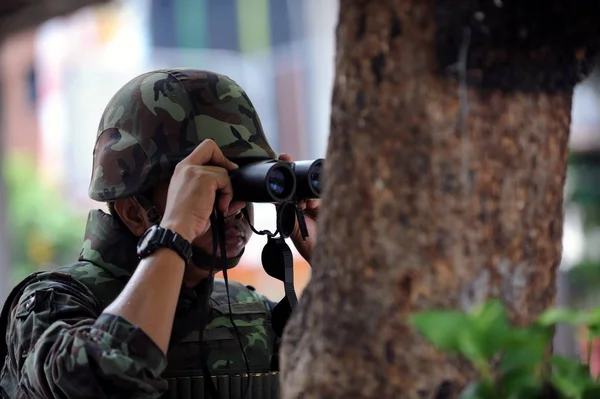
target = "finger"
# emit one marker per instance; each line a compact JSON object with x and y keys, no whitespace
{"x":225,"y":197}
{"x":211,"y":169}
{"x":221,"y":189}
{"x":224,"y":202}
{"x":234,"y":207}
{"x":313,"y":204}
{"x":208,"y":152}
{"x":286,"y":157}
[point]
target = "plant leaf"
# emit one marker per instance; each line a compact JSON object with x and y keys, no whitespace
{"x":565,"y":316}
{"x":479,"y":390}
{"x":441,"y":327}
{"x":570,"y":377}
{"x":489,"y":328}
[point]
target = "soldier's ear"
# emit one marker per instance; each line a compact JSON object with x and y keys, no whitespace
{"x":133,"y":215}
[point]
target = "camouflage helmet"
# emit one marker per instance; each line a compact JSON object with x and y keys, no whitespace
{"x":158,"y":118}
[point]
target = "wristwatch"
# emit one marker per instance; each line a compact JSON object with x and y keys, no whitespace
{"x":157,"y":237}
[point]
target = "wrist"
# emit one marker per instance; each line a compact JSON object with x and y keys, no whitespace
{"x":180,"y":228}
{"x":159,"y":237}
{"x":167,"y":256}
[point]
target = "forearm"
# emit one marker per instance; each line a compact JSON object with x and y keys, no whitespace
{"x":149,"y":299}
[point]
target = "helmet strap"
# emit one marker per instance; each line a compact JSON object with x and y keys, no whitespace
{"x":154,"y":216}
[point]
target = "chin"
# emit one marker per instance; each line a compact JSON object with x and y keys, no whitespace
{"x":232,"y":252}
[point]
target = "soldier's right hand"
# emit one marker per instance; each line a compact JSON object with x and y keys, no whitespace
{"x":199,"y":179}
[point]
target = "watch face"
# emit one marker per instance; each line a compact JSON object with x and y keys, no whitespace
{"x":146,"y":238}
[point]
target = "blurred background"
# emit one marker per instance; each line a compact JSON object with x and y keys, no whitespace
{"x":56,"y":78}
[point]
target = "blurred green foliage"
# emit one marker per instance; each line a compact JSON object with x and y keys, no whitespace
{"x":43,"y":228}
{"x":513,"y":362}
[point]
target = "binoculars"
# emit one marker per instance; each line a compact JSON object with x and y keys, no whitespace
{"x":277,"y":181}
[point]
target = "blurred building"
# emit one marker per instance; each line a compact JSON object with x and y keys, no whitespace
{"x":58,"y":78}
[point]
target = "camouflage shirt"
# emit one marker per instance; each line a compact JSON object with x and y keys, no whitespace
{"x":61,"y":344}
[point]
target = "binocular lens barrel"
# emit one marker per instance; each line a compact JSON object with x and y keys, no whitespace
{"x":308,"y":179}
{"x":277,"y":181}
{"x":315,"y":179}
{"x":265,"y":181}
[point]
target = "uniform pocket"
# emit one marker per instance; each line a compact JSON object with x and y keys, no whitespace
{"x":253,"y":324}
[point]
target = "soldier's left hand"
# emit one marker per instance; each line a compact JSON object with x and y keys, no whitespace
{"x":311,"y":212}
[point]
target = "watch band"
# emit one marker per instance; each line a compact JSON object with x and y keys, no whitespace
{"x":157,"y":237}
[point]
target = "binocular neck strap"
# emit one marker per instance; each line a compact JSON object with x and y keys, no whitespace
{"x":278,"y":262}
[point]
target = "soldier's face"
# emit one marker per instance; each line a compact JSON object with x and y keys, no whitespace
{"x":237,"y":228}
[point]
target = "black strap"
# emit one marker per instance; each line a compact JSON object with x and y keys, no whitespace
{"x":219,"y":221}
{"x":276,"y":254}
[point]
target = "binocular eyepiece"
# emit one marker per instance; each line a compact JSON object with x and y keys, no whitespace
{"x":277,"y":181}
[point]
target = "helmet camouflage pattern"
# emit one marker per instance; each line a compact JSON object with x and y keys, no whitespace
{"x":160,"y":117}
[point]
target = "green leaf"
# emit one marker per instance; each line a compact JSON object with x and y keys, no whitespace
{"x":478,"y":336}
{"x":517,"y":383}
{"x":569,"y":367}
{"x":489,"y":328}
{"x":441,"y":327}
{"x":562,"y":315}
{"x":525,"y":348}
{"x":591,"y":392}
{"x":523,"y":359}
{"x":471,"y":348}
{"x":594,"y":330}
{"x":479,"y":390}
{"x":570,"y":377}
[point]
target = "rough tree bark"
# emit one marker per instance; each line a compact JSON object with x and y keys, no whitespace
{"x":443,"y":185}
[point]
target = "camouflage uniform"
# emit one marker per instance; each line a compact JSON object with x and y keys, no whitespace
{"x":60,"y":344}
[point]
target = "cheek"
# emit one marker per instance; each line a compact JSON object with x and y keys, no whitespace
{"x":249,"y":212}
{"x":159,"y":198}
{"x":204,"y":240}
{"x":248,"y":232}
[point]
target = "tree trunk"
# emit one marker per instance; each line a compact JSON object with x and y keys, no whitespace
{"x":443,"y":187}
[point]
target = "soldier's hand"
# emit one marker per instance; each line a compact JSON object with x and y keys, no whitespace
{"x":310,"y":209}
{"x":193,"y":190}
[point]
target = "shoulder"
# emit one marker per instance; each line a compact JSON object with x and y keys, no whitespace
{"x":46,"y":288}
{"x":101,"y":283}
{"x":88,"y":273}
{"x":37,"y":302}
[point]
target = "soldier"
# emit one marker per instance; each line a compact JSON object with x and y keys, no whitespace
{"x":112,"y":325}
